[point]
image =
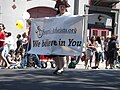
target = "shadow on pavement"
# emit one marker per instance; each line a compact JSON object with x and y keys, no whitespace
{"x":43,"y":79}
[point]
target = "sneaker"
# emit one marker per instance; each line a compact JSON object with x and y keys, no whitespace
{"x":37,"y":67}
{"x":106,"y":68}
{"x":60,"y":72}
{"x":111,"y":68}
{"x":55,"y":72}
{"x":95,"y":67}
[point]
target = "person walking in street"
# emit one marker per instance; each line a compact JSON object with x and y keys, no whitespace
{"x":60,"y":59}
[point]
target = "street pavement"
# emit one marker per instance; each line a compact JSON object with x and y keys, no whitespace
{"x":71,"y":79}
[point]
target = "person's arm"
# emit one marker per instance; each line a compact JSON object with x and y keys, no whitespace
{"x":89,"y":44}
{"x":9,"y":59}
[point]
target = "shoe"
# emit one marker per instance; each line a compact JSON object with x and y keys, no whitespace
{"x":106,"y":68}
{"x":58,"y":73}
{"x":8,"y":67}
{"x":55,"y":72}
{"x":37,"y":67}
{"x":94,"y":67}
{"x":111,"y":68}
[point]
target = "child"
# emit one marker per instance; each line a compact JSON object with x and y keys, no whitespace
{"x":11,"y":57}
{"x":18,"y":58}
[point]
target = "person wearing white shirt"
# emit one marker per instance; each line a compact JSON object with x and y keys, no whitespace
{"x":60,"y":59}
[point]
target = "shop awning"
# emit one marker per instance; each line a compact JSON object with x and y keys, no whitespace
{"x":104,"y":3}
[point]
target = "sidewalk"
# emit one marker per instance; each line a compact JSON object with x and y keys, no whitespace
{"x":80,"y":65}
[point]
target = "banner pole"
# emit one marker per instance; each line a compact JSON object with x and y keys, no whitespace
{"x":85,"y":26}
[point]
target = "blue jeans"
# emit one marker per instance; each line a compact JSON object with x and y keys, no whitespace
{"x":36,"y":60}
{"x":24,"y":61}
{"x":102,"y":56}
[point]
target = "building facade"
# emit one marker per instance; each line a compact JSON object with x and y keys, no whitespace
{"x":102,"y":17}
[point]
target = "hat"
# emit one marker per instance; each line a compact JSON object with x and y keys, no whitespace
{"x":108,"y":36}
{"x":61,"y":2}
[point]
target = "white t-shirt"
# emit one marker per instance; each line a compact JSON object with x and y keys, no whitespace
{"x":98,"y":47}
{"x":65,"y":14}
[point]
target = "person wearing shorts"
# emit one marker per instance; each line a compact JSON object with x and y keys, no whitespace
{"x":2,"y":43}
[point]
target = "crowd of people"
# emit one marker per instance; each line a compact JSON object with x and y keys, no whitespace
{"x":9,"y":55}
{"x":13,"y":54}
{"x":104,"y":49}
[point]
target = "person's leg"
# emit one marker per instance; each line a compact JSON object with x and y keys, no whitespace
{"x":61,"y":63}
{"x":0,"y":63}
{"x":37,"y":61}
{"x":65,"y":62}
{"x":107,"y":60}
{"x":56,"y":59}
{"x":23,"y":62}
{"x":91,"y":60}
{"x":102,"y":56}
{"x":96,"y":59}
{"x":3,"y":64}
{"x":106,"y":63}
{"x":111,"y":63}
{"x":86,"y":63}
{"x":99,"y":58}
{"x":112,"y":58}
{"x":88,"y":55}
{"x":4,"y":59}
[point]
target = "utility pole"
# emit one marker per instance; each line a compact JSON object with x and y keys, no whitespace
{"x":76,"y":7}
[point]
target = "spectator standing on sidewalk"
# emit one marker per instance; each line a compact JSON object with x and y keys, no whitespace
{"x":19,"y":44}
{"x":98,"y":52}
{"x":107,"y":39}
{"x":103,"y":48}
{"x":90,"y":51}
{"x":112,"y":49}
{"x":24,"y":41}
{"x":2,"y":43}
{"x":11,"y":42}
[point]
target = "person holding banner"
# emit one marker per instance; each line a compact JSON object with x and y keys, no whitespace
{"x":60,"y":59}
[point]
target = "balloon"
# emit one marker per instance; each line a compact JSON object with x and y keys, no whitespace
{"x":19,"y":24}
{"x":25,"y":15}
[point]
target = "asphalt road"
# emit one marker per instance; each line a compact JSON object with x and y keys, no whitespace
{"x":71,"y":79}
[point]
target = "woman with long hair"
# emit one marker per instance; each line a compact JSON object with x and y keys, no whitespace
{"x":90,"y":51}
{"x":98,"y":53}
